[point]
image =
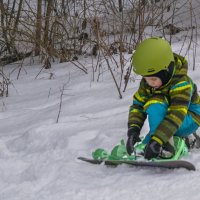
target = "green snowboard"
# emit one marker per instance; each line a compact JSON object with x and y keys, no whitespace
{"x":119,"y":156}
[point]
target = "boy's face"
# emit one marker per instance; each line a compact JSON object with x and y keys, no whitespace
{"x":153,"y":81}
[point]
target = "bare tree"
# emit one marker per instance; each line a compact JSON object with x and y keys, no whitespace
{"x":47,"y":23}
{"x":106,"y":30}
{"x":4,"y":26}
{"x":38,"y":33}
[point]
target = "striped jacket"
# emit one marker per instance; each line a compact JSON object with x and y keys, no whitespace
{"x":180,"y":94}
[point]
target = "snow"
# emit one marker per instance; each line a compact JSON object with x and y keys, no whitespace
{"x":38,"y":156}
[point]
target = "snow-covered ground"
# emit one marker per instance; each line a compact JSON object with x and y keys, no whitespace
{"x":38,"y":157}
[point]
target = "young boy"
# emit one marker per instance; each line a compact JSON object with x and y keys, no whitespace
{"x":166,"y":95}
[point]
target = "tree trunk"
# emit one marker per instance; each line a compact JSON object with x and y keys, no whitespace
{"x":120,"y":6}
{"x":15,"y":26}
{"x":47,"y":20}
{"x":4,"y":27}
{"x":38,"y":28}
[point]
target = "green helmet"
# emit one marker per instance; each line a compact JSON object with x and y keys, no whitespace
{"x":151,"y":56}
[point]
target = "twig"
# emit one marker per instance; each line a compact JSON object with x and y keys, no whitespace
{"x":49,"y":93}
{"x":83,"y":69}
{"x":61,"y":100}
{"x":127,"y":76}
{"x":118,"y":89}
{"x":39,"y":72}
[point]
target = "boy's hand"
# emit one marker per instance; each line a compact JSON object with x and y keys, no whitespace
{"x":153,"y":148}
{"x":133,"y":138}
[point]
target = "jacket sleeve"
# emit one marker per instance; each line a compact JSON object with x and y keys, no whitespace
{"x":137,"y":114}
{"x":180,"y":97}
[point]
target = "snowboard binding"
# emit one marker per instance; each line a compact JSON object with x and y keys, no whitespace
{"x":119,"y":152}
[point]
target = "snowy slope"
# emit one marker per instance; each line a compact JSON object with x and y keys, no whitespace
{"x":38,"y":156}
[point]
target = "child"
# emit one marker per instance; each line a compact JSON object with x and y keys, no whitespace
{"x":166,"y":95}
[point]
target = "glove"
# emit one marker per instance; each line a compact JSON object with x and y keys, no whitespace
{"x":153,"y":148}
{"x":133,"y":138}
{"x":167,"y":150}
